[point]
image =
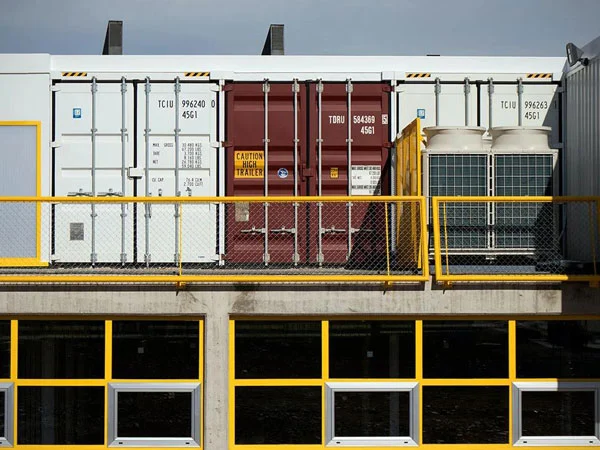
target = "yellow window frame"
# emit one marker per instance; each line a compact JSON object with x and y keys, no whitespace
{"x":100,"y":382}
{"x":508,"y":382}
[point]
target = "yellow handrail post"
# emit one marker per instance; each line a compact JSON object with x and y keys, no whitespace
{"x":424,"y":238}
{"x":387,"y":238}
{"x":180,"y":284}
{"x":436,"y":238}
{"x":446,"y":241}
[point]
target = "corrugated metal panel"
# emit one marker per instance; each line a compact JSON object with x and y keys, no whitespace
{"x":582,"y":148}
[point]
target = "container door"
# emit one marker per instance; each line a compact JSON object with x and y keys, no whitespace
{"x":75,"y":239}
{"x":540,"y":107}
{"x":266,"y":134}
{"x":177,"y":158}
{"x":418,"y":100}
{"x":353,"y":155}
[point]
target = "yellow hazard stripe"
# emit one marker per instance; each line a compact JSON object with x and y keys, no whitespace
{"x":418,"y":75}
{"x":539,"y":75}
{"x":74,"y":74}
{"x":197,"y":74}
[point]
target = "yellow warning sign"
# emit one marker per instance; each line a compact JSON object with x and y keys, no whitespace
{"x":249,"y":164}
{"x":334,"y":173}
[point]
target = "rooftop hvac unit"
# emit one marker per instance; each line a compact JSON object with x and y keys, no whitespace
{"x":517,"y":161}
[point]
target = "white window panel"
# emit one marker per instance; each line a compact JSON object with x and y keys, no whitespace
{"x":332,"y":440}
{"x":192,"y":440}
{"x":519,"y":439}
{"x":7,"y":390}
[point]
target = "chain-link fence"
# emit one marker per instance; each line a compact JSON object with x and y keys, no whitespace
{"x":213,"y":239}
{"x":516,"y":238}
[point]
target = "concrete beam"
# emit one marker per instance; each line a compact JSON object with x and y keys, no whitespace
{"x":414,"y":300}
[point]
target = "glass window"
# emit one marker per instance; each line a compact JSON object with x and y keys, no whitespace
{"x":5,"y":349}
{"x":551,"y":413}
{"x":372,"y":414}
{"x":61,"y":349}
{"x":372,"y":349}
{"x":558,"y":413}
{"x":60,"y":415}
{"x":465,"y":349}
{"x":465,"y":415}
{"x":273,"y":349}
{"x":277,"y":415}
{"x":558,"y":349}
{"x":164,"y":414}
{"x":155,"y":349}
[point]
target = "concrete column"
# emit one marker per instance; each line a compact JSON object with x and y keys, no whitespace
{"x":216,"y":376}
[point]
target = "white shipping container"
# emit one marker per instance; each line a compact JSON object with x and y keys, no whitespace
{"x":539,"y":104}
{"x":182,"y":162}
{"x":419,"y":100}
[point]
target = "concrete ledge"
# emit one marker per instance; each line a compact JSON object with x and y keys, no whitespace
{"x":243,"y":300}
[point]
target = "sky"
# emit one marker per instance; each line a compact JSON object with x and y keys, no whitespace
{"x":312,"y":27}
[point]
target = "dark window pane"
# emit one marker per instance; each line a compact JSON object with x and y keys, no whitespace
{"x":277,"y":415}
{"x":61,"y":415}
{"x":465,"y":349}
{"x":2,"y":417}
{"x":273,"y":349}
{"x":558,"y":349}
{"x":61,"y":349}
{"x":155,"y":349}
{"x":367,"y":414}
{"x":154,"y":414}
{"x":465,"y":415}
{"x":5,"y":349}
{"x":558,"y":413}
{"x":372,"y":349}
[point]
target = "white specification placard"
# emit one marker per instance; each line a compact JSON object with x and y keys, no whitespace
{"x":162,"y":152}
{"x":365,"y":180}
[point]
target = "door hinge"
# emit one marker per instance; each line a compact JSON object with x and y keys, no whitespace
{"x":387,"y":88}
{"x":227,"y":88}
{"x":55,"y":144}
{"x":226,"y":144}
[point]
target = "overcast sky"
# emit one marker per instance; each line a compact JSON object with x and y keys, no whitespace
{"x":347,"y":27}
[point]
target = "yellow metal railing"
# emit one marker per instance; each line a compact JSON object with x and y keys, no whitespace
{"x":212,"y":240}
{"x":297,"y":239}
{"x":516,"y":238}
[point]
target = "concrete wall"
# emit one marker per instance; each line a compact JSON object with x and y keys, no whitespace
{"x":217,"y":304}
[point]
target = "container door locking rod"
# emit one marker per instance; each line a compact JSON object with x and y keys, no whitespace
{"x":266,"y":89}
{"x":177,"y":89}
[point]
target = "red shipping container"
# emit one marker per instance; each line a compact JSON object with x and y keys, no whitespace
{"x":287,"y":150}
